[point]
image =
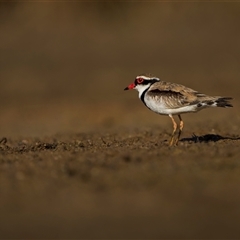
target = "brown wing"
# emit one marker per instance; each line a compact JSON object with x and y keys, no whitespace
{"x":174,"y":87}
{"x":173,"y":95}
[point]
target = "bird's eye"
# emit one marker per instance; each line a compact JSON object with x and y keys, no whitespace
{"x":139,"y":80}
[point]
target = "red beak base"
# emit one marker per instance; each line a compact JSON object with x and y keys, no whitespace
{"x":131,"y":86}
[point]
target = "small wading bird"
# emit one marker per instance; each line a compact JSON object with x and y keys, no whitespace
{"x":170,"y":99}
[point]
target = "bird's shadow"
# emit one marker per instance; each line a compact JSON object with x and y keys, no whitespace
{"x":208,"y":138}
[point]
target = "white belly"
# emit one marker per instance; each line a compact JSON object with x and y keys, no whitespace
{"x":160,"y":107}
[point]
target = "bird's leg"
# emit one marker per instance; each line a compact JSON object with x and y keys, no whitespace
{"x":174,"y":130}
{"x":180,"y":129}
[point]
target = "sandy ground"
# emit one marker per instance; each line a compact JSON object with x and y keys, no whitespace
{"x":120,"y":184}
{"x":81,"y":158}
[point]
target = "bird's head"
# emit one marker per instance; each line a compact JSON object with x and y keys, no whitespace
{"x":141,"y":83}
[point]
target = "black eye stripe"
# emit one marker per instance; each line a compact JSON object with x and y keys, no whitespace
{"x":145,"y":82}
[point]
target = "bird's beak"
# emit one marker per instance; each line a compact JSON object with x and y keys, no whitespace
{"x":131,"y":86}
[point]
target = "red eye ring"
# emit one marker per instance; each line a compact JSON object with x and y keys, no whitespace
{"x":139,"y":80}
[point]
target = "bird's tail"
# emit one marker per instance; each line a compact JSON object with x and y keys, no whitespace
{"x":217,"y":102}
{"x":223,"y":102}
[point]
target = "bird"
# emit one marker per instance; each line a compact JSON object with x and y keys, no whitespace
{"x":166,"y":98}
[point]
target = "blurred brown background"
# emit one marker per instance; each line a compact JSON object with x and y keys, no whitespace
{"x":83,"y":158}
{"x":64,"y":65}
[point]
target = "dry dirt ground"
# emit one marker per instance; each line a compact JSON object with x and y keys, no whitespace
{"x":120,"y":183}
{"x":81,"y":158}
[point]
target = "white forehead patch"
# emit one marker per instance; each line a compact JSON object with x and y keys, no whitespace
{"x":147,"y":78}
